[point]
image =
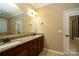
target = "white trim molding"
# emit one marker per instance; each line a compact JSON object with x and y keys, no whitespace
{"x":54,"y":51}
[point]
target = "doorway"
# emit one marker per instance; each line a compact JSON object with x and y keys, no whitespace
{"x":68,"y":34}
{"x":74,"y":34}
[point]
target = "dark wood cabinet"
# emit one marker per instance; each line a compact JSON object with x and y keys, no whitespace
{"x":24,"y":52}
{"x":31,"y":48}
{"x":15,"y":51}
{"x":40,"y":44}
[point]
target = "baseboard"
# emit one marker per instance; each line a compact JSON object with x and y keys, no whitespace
{"x":54,"y":51}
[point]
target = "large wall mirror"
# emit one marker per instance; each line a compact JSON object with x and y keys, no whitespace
{"x":14,"y":19}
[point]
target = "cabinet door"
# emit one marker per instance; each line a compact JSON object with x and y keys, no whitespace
{"x":31,"y":51}
{"x":33,"y":48}
{"x":40,"y":44}
{"x":24,"y":52}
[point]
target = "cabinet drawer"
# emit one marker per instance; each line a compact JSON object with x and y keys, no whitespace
{"x":35,"y":41}
{"x":30,"y":43}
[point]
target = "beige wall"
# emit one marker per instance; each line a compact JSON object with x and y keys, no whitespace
{"x":24,"y":18}
{"x":52,"y":17}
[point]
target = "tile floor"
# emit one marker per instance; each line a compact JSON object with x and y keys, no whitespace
{"x":47,"y":53}
{"x":74,"y":44}
{"x":74,"y":47}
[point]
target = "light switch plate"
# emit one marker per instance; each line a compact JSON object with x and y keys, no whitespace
{"x":59,"y":31}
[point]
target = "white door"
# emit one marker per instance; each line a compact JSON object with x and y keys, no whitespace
{"x":67,"y":14}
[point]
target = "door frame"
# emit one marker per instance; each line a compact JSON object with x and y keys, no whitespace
{"x":67,"y":13}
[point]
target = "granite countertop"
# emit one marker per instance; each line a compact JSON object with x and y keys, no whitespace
{"x":17,"y":42}
{"x":14,"y":35}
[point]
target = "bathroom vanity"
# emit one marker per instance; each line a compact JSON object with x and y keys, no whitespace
{"x":23,"y":46}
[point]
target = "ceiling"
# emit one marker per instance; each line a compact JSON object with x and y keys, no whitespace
{"x":38,"y":5}
{"x":9,"y":10}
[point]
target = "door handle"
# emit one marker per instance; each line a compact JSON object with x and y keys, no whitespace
{"x":67,"y":35}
